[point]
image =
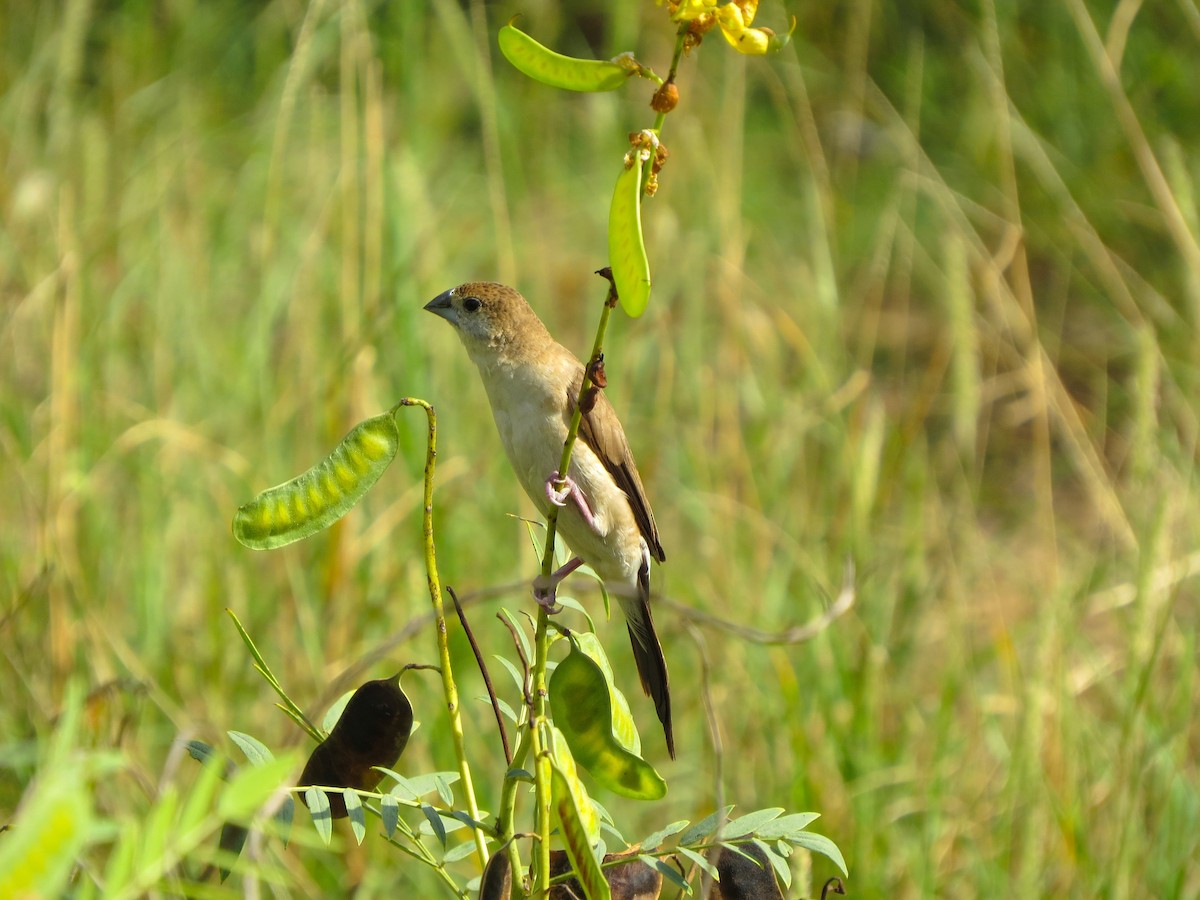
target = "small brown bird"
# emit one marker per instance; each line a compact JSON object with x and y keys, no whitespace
{"x":533,"y":383}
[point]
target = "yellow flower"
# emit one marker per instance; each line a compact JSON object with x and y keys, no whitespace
{"x":690,"y":10}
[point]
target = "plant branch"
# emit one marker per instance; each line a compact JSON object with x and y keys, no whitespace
{"x":487,"y":679}
{"x":541,"y":770}
{"x":435,"y":596}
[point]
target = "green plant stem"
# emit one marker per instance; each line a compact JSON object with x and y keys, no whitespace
{"x":425,"y":857}
{"x":680,"y":38}
{"x":435,"y":595}
{"x":541,"y":771}
{"x":541,"y":761}
{"x":508,"y":805}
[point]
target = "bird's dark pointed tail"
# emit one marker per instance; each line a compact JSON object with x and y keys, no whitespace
{"x":648,"y":654}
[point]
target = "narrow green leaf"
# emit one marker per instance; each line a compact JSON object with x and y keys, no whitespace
{"x":459,"y":851}
{"x":669,"y":872}
{"x":251,"y":786}
{"x":654,"y":840}
{"x":417,"y":786}
{"x":202,"y":752}
{"x":782,"y":870}
{"x":706,"y":827}
{"x":335,"y":711}
{"x":389,"y":811}
{"x":256,"y":751}
{"x":749,"y":823}
{"x":522,"y":637}
{"x":318,"y":806}
{"x":435,"y":822}
{"x":354,"y":811}
{"x":508,"y":711}
{"x":200,"y":798}
{"x":784,"y":825}
{"x":818,"y":843}
{"x":283,"y":818}
{"x":443,"y":789}
{"x":700,"y":861}
{"x":518,"y":676}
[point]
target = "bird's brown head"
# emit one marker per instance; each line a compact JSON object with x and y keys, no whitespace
{"x":492,"y":319}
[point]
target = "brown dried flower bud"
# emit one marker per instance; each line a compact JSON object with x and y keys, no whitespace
{"x":665,"y":98}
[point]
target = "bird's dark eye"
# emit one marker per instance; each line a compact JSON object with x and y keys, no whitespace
{"x":470,"y":304}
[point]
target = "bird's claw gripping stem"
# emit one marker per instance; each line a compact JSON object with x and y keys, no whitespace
{"x":545,"y":587}
{"x":569,"y":491}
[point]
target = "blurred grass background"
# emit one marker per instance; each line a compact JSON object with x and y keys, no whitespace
{"x":927,"y":297}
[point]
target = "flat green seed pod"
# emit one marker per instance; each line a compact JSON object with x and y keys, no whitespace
{"x":626,"y":249}
{"x":542,"y":64}
{"x":578,"y":823}
{"x":623,"y":726}
{"x":295,"y":509}
{"x":582,"y":709}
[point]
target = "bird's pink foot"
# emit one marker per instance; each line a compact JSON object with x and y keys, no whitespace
{"x":569,"y":491}
{"x":545,"y":587}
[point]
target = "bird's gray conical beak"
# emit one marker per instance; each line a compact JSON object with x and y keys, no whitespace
{"x":441,"y":305}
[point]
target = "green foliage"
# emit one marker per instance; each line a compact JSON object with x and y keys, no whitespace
{"x":916,"y":304}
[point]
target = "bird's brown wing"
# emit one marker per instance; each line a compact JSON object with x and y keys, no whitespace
{"x":601,"y":430}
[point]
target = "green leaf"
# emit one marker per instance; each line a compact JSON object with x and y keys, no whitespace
{"x":354,"y":810}
{"x":749,"y":823}
{"x":706,"y":827}
{"x":459,"y":851}
{"x":389,"y":811}
{"x":782,"y":870}
{"x":518,"y":676}
{"x":443,"y":789}
{"x":785,"y":825}
{"x":251,"y":786}
{"x":818,"y":843}
{"x":700,"y":861}
{"x":318,"y":806}
{"x":522,"y":637}
{"x":435,"y":822}
{"x":654,"y":840}
{"x":508,"y":711}
{"x":669,"y":872}
{"x":256,"y":751}
{"x":417,"y":786}
{"x":283,"y":818}
{"x":202,"y":752}
{"x":335,"y":711}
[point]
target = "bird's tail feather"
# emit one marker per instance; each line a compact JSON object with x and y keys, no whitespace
{"x":648,"y":654}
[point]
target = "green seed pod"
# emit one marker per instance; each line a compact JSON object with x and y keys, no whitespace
{"x":623,"y":726}
{"x":578,"y":823}
{"x":626,"y":249}
{"x":580,"y":701}
{"x":322,"y":495}
{"x":543,"y":64}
